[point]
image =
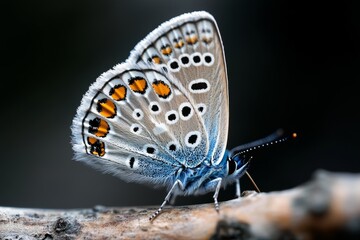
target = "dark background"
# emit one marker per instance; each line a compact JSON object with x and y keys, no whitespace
{"x":291,"y":64}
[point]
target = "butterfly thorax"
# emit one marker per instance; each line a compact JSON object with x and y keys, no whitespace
{"x":201,"y":179}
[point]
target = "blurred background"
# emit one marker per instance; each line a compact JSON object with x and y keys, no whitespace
{"x":291,"y":65}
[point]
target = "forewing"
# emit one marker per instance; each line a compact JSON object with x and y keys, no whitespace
{"x":190,"y":49}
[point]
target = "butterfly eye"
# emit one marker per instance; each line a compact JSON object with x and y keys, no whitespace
{"x":231,"y":166}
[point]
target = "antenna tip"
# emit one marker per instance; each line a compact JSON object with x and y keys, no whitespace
{"x":294,"y":135}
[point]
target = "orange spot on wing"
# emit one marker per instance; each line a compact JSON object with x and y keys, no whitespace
{"x":138,"y":84}
{"x":96,"y":146}
{"x":103,"y":129}
{"x":98,"y":127}
{"x":91,"y":140}
{"x":156,"y":59}
{"x":98,"y":149}
{"x":161,"y":89}
{"x":207,"y":40}
{"x":179,"y":44}
{"x":118,"y":92}
{"x":191,"y":40}
{"x":106,"y":108}
{"x":166,"y":50}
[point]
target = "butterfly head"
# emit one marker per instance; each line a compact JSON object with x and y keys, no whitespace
{"x":236,"y":166}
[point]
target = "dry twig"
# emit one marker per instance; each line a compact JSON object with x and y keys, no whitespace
{"x":328,"y":207}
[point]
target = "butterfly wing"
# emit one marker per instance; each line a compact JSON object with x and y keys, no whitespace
{"x":126,"y":125}
{"x":142,"y":121}
{"x":189,"y":47}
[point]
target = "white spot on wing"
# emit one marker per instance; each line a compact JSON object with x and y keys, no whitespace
{"x":159,"y":129}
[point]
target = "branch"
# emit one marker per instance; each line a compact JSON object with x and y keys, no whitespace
{"x":326,"y":207}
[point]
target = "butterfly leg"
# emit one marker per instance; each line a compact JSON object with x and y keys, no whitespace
{"x":238,"y":189}
{"x":167,"y":198}
{"x":218,"y":181}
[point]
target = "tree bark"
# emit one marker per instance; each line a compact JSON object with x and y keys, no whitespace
{"x":327,"y":207}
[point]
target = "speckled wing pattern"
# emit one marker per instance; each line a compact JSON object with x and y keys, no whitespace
{"x":165,"y":107}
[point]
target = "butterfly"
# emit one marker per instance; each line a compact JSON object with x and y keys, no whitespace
{"x":161,"y":117}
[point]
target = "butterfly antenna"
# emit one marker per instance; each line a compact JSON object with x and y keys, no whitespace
{"x":264,"y":142}
{"x":252,"y":181}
